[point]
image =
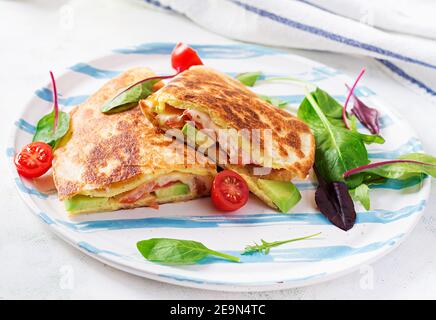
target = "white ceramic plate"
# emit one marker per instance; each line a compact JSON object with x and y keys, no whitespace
{"x":111,"y":237}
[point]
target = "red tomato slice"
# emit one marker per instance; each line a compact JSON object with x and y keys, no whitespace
{"x":229,"y":191}
{"x":34,"y":160}
{"x":184,"y":57}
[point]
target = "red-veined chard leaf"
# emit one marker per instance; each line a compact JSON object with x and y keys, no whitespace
{"x":335,"y":203}
{"x":406,"y":166}
{"x":55,"y":102}
{"x":332,"y":109}
{"x":130,"y":96}
{"x":350,"y":93}
{"x":367,"y":116}
{"x":54,"y":125}
{"x":45,"y":128}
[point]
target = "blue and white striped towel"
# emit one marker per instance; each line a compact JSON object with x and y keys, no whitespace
{"x":401,"y":35}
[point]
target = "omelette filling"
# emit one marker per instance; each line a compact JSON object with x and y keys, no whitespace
{"x":168,"y":188}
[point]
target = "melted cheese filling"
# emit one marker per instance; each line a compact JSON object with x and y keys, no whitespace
{"x":170,"y":117}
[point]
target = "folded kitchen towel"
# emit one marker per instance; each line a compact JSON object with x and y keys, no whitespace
{"x":401,"y":35}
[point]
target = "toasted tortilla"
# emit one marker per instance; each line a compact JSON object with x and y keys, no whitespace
{"x":108,"y":155}
{"x":230,"y":105}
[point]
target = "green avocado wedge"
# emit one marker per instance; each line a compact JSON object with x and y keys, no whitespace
{"x":80,"y":203}
{"x":198,"y":137}
{"x":284,"y":195}
{"x":177,"y":189}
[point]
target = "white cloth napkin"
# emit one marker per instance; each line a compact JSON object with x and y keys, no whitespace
{"x":401,"y":35}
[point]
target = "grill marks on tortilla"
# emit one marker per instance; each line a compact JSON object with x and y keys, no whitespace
{"x":113,"y":159}
{"x":238,"y":107}
{"x":65,"y":187}
{"x":103,"y":150}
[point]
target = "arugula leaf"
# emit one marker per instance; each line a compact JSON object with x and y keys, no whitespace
{"x":54,"y":125}
{"x":337,"y":149}
{"x":175,"y":251}
{"x":45,"y":128}
{"x":249,"y":78}
{"x":361,"y":194}
{"x":127,"y":99}
{"x":274,"y":101}
{"x":406,"y":166}
{"x":265,"y":247}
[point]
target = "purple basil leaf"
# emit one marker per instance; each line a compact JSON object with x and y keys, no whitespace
{"x":366,"y":115}
{"x":335,"y":203}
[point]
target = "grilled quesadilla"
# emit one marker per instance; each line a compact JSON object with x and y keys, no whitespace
{"x":222,"y":109}
{"x":114,"y":161}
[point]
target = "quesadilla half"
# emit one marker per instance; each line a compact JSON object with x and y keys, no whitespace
{"x":218,"y":106}
{"x":113,"y":161}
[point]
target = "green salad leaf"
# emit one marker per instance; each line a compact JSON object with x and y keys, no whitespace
{"x":249,"y":78}
{"x":129,"y":98}
{"x":175,"y":251}
{"x":332,"y":109}
{"x":406,"y":166}
{"x":369,"y":138}
{"x":45,"y":128}
{"x":274,"y":101}
{"x":264,"y":247}
{"x":361,"y":194}
{"x":337,"y":148}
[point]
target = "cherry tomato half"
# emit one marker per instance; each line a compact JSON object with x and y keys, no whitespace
{"x":184,"y":57}
{"x":34,"y":160}
{"x":229,"y":191}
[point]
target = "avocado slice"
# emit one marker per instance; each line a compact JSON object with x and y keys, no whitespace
{"x":200,"y":137}
{"x":79,"y":203}
{"x":176,"y":189}
{"x":283,"y":194}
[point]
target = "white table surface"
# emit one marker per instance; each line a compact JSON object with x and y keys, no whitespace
{"x":37,"y":36}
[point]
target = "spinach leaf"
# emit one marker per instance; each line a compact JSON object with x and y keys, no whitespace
{"x":175,"y":251}
{"x":361,"y":194}
{"x":44,"y":128}
{"x":249,"y":78}
{"x":406,"y":166}
{"x":329,"y":106}
{"x":128,"y":99}
{"x":337,"y":148}
{"x":265,"y":246}
{"x":274,"y":101}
